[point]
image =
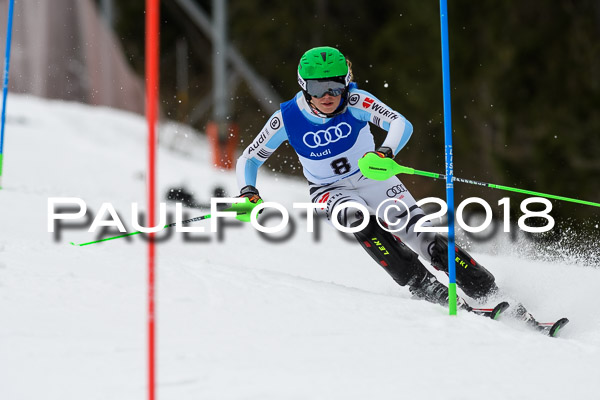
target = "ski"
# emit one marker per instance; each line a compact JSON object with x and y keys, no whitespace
{"x":492,"y":313}
{"x":547,"y":328}
{"x":551,"y":328}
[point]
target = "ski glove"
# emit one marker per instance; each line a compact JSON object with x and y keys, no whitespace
{"x":383,"y":152}
{"x":251,"y":193}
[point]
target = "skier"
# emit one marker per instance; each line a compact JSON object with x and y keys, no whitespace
{"x":327,"y":124}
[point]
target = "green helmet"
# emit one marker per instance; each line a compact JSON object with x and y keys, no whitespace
{"x":322,"y":62}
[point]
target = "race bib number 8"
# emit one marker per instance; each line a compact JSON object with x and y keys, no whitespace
{"x":340,"y":166}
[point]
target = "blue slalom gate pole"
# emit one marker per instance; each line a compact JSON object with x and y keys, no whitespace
{"x":11,"y":5}
{"x":448,"y":157}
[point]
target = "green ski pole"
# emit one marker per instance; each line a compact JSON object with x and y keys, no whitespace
{"x":374,"y":167}
{"x":200,"y":218}
{"x":243,"y":211}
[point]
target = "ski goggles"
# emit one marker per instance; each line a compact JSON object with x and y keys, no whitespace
{"x":320,"y":87}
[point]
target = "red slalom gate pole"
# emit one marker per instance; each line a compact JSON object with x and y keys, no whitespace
{"x":152,"y":51}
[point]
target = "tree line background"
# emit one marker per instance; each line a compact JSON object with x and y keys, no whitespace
{"x":525,"y":80}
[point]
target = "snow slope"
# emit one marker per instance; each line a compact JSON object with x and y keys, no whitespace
{"x":239,"y":317}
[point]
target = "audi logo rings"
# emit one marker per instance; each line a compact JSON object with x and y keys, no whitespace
{"x":324,"y":137}
{"x":395,"y":190}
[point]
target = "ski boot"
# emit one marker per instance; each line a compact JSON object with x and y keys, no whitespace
{"x":521,"y":313}
{"x":474,"y":280}
{"x":430,"y":289}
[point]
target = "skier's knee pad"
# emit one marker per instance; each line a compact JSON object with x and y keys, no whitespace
{"x":395,"y":257}
{"x":471,"y":277}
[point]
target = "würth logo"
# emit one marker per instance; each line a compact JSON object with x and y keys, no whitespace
{"x":368,"y":102}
